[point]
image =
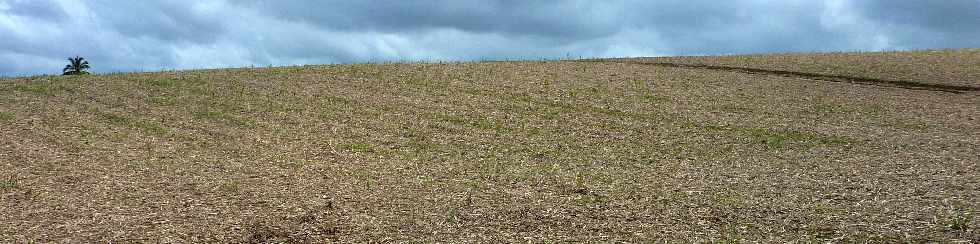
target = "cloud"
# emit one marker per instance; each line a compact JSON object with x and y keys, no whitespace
{"x":158,"y":34}
{"x":578,"y":19}
{"x":926,"y":24}
{"x":170,"y":21}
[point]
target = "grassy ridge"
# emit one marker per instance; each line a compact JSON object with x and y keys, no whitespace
{"x":552,"y":151}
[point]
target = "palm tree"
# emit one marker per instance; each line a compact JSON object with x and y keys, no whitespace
{"x":76,"y":66}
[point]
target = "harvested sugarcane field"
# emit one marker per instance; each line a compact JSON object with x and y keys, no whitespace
{"x":821,"y":147}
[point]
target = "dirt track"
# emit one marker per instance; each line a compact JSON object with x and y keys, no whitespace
{"x":813,"y":76}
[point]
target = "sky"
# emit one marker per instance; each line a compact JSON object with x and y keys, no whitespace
{"x":36,"y":36}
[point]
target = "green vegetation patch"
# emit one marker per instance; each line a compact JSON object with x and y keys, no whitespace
{"x":782,"y":138}
{"x":34,"y":88}
{"x":144,"y":125}
{"x":478,"y":123}
{"x":774,"y":138}
{"x":117,"y":119}
{"x":654,"y":98}
{"x":8,"y":183}
{"x":554,"y":108}
{"x":829,"y":108}
{"x":956,"y":219}
{"x":914,"y":125}
{"x":356,"y":147}
{"x":6,"y":116}
{"x":220,"y":116}
{"x":159,"y":82}
{"x":164,"y":100}
{"x":736,"y":108}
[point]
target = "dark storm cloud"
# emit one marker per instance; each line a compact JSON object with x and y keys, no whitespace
{"x":925,"y":24}
{"x":720,"y":27}
{"x":951,"y":16}
{"x":569,"y":19}
{"x":36,"y":35}
{"x":169,"y":21}
{"x":41,"y":9}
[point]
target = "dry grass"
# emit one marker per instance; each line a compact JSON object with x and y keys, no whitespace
{"x":503,"y":151}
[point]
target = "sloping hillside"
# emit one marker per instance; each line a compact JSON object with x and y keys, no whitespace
{"x":943,"y":67}
{"x":504,"y":151}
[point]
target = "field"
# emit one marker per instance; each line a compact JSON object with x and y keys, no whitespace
{"x":546,"y":151}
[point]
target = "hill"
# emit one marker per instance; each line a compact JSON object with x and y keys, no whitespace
{"x":941,"y":67}
{"x":597,"y":150}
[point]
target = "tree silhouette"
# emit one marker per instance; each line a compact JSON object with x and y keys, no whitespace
{"x":76,"y":66}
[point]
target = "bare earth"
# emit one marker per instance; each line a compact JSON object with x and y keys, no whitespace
{"x":603,"y":150}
